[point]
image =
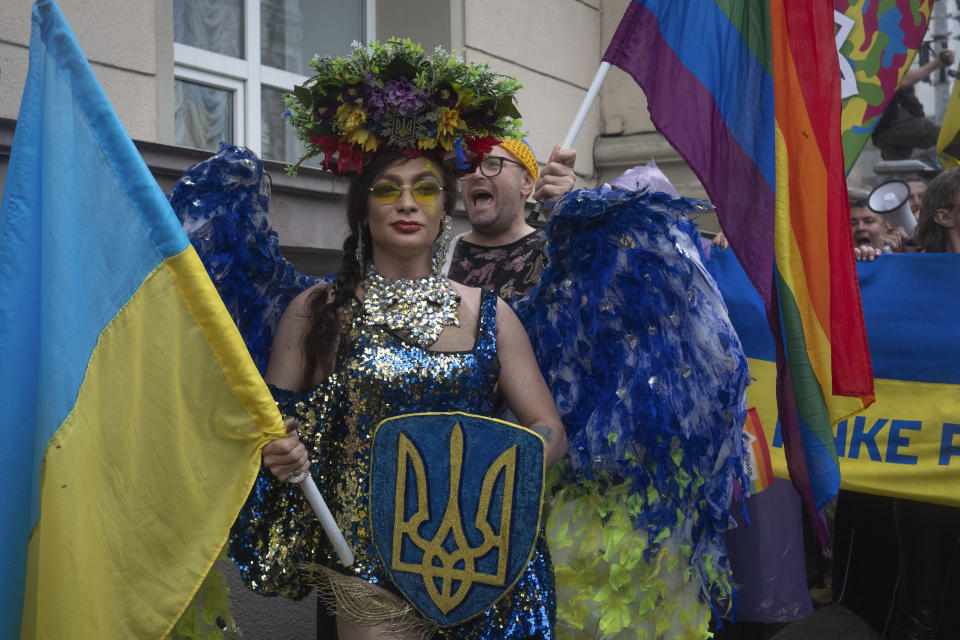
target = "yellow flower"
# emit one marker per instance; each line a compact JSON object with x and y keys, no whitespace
{"x":465,"y":97}
{"x":446,"y":143}
{"x":349,"y":117}
{"x":427,"y":143}
{"x":364,"y":138}
{"x":450,"y":123}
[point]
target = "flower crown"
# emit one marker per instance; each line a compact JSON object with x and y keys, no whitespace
{"x":393,"y":96}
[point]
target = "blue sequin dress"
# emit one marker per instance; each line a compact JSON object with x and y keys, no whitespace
{"x":378,"y":375}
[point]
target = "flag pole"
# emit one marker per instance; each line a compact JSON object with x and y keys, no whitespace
{"x":574,"y":130}
{"x":312,"y":494}
{"x":588,"y":99}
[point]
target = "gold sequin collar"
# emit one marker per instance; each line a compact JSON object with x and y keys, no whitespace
{"x":421,"y":306}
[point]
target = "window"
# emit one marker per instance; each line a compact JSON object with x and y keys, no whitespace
{"x":234,"y":59}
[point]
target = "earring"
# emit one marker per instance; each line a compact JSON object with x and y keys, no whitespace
{"x":358,"y":253}
{"x":440,"y":246}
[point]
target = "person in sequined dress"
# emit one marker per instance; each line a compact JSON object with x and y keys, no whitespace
{"x":337,"y":377}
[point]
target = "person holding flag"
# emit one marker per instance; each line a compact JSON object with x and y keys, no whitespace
{"x":120,"y":486}
{"x":502,"y":251}
{"x":903,"y":126}
{"x":391,"y":338}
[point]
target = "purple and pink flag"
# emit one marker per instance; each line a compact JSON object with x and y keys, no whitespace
{"x":749,"y":93}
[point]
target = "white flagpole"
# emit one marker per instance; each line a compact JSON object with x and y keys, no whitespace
{"x":312,"y":494}
{"x":585,"y":105}
{"x":574,"y":131}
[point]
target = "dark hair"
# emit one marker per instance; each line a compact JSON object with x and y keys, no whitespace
{"x":943,"y":192}
{"x":856,"y":203}
{"x":325,"y":303}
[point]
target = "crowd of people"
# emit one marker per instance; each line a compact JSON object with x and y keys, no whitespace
{"x":926,"y":536}
{"x":934,"y":206}
{"x":415,"y":323}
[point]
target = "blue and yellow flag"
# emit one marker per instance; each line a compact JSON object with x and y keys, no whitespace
{"x":948,"y":142}
{"x":132,"y":414}
{"x":906,"y":444}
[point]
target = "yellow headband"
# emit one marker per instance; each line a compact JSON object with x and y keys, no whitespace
{"x":522,"y":152}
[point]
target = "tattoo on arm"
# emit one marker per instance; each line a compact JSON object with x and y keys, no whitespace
{"x":545,"y":432}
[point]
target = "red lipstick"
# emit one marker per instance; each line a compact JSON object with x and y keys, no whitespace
{"x":406,"y":226}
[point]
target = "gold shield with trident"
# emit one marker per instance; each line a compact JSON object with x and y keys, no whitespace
{"x":455,"y":508}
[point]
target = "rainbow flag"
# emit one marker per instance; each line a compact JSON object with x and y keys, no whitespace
{"x":133,"y":416}
{"x":757,"y":460}
{"x":748,"y":92}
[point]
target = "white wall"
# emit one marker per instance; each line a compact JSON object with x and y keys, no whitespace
{"x":553,"y":48}
{"x":119,"y":38}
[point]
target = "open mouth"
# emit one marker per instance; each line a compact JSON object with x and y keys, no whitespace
{"x":481,"y":197}
{"x":861,"y":240}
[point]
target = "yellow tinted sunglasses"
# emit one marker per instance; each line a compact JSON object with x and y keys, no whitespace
{"x":424,"y":192}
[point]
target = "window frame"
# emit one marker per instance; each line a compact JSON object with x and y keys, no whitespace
{"x":229,"y":83}
{"x":245,"y":77}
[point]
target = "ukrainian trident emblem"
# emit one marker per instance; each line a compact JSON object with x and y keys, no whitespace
{"x":454,"y":509}
{"x":403,"y":130}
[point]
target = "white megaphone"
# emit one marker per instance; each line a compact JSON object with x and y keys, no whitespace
{"x":892,"y":201}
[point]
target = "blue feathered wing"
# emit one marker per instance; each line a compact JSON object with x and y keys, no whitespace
{"x":223,"y":204}
{"x":646,"y":370}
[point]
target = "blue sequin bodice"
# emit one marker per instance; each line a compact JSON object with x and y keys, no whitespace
{"x":378,"y":375}
{"x":384,"y":376}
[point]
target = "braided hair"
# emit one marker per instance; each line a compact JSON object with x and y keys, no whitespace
{"x":325,"y":303}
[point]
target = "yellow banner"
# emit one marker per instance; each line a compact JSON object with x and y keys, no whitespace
{"x":907,"y":444}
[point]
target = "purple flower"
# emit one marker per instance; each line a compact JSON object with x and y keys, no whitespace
{"x":402,"y":95}
{"x":488,"y":116}
{"x":445,"y":95}
{"x":374,"y":101}
{"x":351,"y":93}
{"x":323,"y":110}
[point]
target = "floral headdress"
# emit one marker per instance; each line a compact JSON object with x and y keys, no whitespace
{"x":393,"y":96}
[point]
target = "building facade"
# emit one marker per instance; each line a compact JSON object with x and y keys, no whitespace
{"x":185,"y":74}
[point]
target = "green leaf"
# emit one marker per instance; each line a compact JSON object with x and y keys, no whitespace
{"x":663,"y":623}
{"x":399,"y":68}
{"x":506,"y":107}
{"x":663,"y":535}
{"x":618,"y":577}
{"x":672,"y":563}
{"x":634,"y":556}
{"x":652,"y":495}
{"x":616,"y":619}
{"x":303,"y":95}
{"x":603,"y":594}
{"x":646,"y":605}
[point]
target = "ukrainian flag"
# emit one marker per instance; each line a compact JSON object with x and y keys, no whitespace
{"x":948,"y":142}
{"x":132,"y":415}
{"x":907,"y":443}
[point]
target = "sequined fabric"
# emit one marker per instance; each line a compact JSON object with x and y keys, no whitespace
{"x":379,"y":375}
{"x":423,"y":306}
